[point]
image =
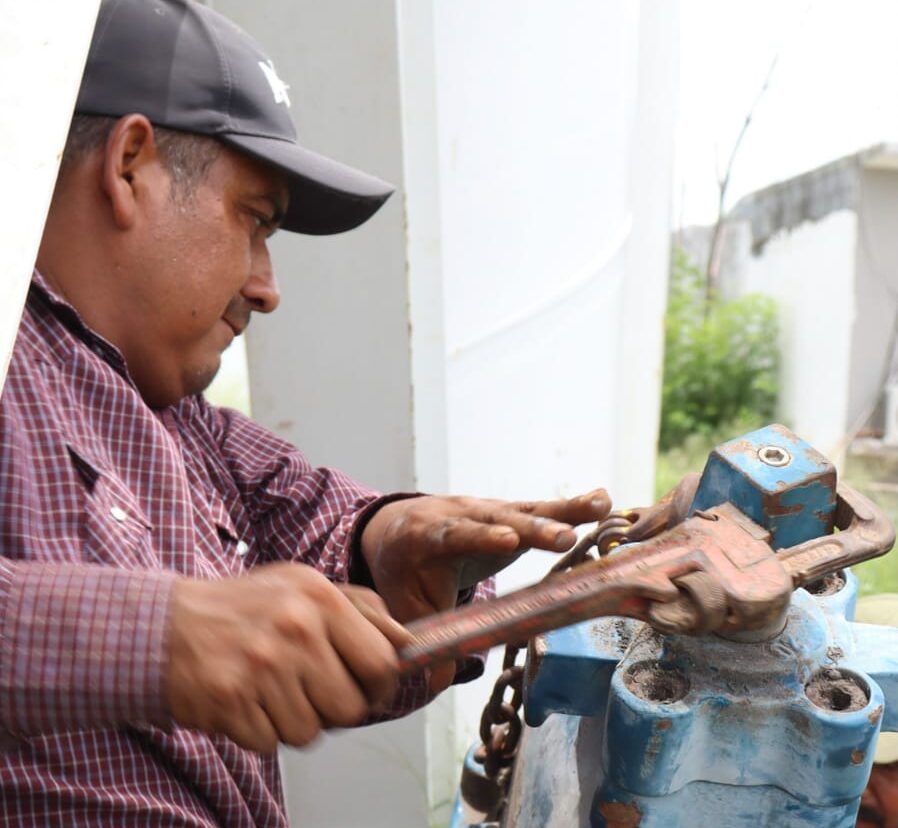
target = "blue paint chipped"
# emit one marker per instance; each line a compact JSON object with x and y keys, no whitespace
{"x":795,"y":502}
{"x":744,"y":746}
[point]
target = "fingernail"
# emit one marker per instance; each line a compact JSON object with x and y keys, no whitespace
{"x":564,"y":536}
{"x":598,"y":503}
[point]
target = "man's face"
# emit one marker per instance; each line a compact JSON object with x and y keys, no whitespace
{"x":192,"y":273}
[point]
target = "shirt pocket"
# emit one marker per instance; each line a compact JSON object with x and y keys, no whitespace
{"x":113,"y":528}
{"x":235,"y":549}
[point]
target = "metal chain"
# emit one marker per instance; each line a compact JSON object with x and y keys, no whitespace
{"x":500,"y":724}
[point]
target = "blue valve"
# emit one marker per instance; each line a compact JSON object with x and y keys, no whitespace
{"x":627,"y":727}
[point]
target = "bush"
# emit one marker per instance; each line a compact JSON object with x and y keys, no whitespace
{"x":721,"y":358}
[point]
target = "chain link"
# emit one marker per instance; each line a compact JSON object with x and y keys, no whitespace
{"x":501,"y":725}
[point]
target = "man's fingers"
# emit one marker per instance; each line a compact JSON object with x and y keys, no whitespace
{"x":374,"y":610}
{"x":249,"y":727}
{"x":333,"y":691}
{"x":544,"y":524}
{"x":441,"y":676}
{"x":289,"y":710}
{"x":367,"y":653}
{"x":502,"y":529}
{"x":474,"y":532}
{"x":585,"y":508}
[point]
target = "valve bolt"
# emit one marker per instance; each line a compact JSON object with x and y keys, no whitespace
{"x":774,"y":456}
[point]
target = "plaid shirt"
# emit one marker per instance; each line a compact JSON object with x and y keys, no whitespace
{"x":103,"y":501}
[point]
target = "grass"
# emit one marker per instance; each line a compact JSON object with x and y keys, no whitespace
{"x":876,"y":475}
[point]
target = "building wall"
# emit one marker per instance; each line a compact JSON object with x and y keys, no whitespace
{"x":875,"y":294}
{"x":554,"y":174}
{"x":810,"y":272}
{"x":496,"y":329}
{"x":43,"y":48}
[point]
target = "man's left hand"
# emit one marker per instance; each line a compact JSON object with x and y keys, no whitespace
{"x":422,"y":551}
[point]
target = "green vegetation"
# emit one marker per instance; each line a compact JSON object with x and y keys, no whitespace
{"x":720,"y":380}
{"x":874,"y":475}
{"x":721,"y":358}
{"x":691,"y":453}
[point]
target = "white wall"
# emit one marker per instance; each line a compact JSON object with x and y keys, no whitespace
{"x":496,"y":328}
{"x":810,"y":273}
{"x":875,"y":292}
{"x":554,"y":169}
{"x":43,"y":46}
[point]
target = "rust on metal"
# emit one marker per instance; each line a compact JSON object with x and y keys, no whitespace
{"x":620,"y":814}
{"x":696,"y":577}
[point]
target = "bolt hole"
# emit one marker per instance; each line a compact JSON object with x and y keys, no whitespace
{"x":774,"y":456}
{"x":837,"y":690}
{"x":828,"y":584}
{"x":652,"y":681}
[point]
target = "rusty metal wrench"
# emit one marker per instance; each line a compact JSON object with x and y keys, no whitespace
{"x":714,"y":571}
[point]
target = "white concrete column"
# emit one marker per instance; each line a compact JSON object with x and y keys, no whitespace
{"x":43,"y":46}
{"x":331,"y":371}
{"x":470,"y":337}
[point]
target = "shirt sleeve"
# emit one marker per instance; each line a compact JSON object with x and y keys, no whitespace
{"x":312,"y":515}
{"x":80,"y":647}
{"x":297,"y":512}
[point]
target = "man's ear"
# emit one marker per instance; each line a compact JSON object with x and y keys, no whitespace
{"x":130,"y":161}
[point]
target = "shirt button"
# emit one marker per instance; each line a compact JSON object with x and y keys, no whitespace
{"x":118,"y":514}
{"x":242,"y":548}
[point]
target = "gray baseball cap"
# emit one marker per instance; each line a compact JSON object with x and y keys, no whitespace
{"x":189,"y":68}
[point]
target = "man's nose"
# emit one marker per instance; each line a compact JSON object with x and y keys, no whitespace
{"x":261,"y":289}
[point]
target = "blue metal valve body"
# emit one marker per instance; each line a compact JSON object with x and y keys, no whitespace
{"x":628,"y":728}
{"x":794,"y":501}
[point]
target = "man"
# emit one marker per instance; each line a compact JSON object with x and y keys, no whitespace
{"x":179,"y":589}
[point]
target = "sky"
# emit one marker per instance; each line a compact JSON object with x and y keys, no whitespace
{"x":833,"y":91}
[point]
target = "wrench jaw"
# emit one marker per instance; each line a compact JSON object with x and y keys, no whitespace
{"x":716,"y":571}
{"x":864,"y":533}
{"x":736,"y":583}
{"x":644,"y":522}
{"x":750,"y":600}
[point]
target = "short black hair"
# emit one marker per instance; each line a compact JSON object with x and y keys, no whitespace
{"x":187,"y":155}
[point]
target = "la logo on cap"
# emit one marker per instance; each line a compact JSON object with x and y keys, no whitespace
{"x":278,"y":87}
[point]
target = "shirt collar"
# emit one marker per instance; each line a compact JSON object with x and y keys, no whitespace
{"x":66,"y":312}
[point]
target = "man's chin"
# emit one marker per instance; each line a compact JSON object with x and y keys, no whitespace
{"x":192,"y":382}
{"x":200,"y":379}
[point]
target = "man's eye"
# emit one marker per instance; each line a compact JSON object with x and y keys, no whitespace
{"x":263,"y":222}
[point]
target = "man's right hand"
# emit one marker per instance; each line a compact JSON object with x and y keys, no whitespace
{"x":278,"y":655}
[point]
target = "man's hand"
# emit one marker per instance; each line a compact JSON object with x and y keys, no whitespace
{"x":422,"y":551}
{"x":278,"y":655}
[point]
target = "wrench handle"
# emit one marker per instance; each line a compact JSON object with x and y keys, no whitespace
{"x":516,"y":616}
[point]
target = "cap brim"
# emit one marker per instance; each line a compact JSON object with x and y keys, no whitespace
{"x":325,"y":196}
